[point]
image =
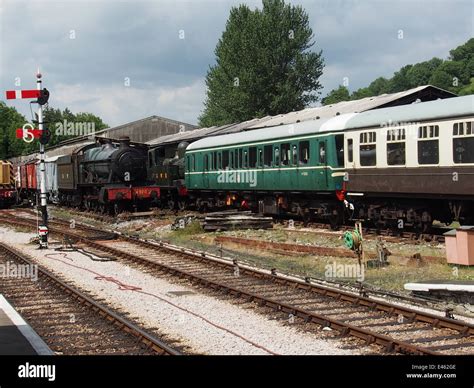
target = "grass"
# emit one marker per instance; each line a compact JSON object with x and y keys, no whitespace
{"x":391,"y":278}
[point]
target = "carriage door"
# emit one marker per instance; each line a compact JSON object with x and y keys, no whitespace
{"x":322,"y":180}
{"x":205,"y":169}
{"x":294,"y":171}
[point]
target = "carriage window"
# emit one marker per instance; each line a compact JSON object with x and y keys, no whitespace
{"x":304,"y":152}
{"x":245,"y":160}
{"x":285,"y":154}
{"x":192,"y":162}
{"x":396,"y":147}
{"x":368,"y":149}
{"x":463,"y":143}
{"x":350,"y":150}
{"x":340,"y":150}
{"x":206,"y":162}
{"x":232,"y":159}
{"x":277,"y":156}
{"x":225,"y":159}
{"x":260,"y":157}
{"x":252,"y":156}
{"x":294,"y":156}
{"x":214,"y":160}
{"x":428,"y":144}
{"x":240,"y":157}
{"x":268,"y":155}
{"x":322,"y":152}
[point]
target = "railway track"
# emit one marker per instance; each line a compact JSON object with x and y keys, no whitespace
{"x":371,"y":233}
{"x":392,"y":327}
{"x":69,"y":321}
{"x":318,"y":228}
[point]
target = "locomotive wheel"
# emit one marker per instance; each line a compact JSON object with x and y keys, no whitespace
{"x":171,"y":204}
{"x":117,"y":209}
{"x":181,"y":205}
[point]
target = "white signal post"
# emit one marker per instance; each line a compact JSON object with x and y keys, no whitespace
{"x":43,"y":227}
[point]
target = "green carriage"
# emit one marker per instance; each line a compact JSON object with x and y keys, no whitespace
{"x":293,"y":168}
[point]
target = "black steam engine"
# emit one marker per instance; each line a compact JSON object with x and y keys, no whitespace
{"x":106,"y":176}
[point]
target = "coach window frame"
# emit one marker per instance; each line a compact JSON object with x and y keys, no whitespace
{"x":428,"y":134}
{"x":368,"y":140}
{"x":463,"y":132}
{"x":396,"y":137}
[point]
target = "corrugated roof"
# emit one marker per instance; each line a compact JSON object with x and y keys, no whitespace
{"x":332,"y":110}
{"x":453,"y":107}
{"x":319,"y":113}
{"x":203,"y":132}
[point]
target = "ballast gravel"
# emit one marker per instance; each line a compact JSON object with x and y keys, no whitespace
{"x":200,"y":323}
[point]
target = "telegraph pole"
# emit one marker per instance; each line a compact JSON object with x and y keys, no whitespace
{"x":43,"y":227}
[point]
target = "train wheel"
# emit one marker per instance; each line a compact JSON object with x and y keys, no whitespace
{"x":171,"y":204}
{"x":181,"y":205}
{"x":117,"y":208}
{"x":335,"y":220}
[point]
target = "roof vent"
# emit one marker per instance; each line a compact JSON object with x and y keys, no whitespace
{"x":298,"y":121}
{"x":337,"y":113}
{"x":317,"y":117}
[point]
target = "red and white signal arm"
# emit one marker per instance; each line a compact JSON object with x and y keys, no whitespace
{"x":42,"y":230}
{"x":18,"y":94}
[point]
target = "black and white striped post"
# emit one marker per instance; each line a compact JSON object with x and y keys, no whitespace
{"x":43,"y":226}
{"x":43,"y":134}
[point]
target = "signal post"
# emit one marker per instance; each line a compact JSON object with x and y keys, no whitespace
{"x":43,"y":134}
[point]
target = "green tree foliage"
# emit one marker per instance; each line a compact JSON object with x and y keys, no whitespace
{"x":336,"y":95}
{"x":264,"y":65}
{"x":455,"y":74}
{"x":11,"y":119}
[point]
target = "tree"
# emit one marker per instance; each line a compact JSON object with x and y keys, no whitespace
{"x":400,"y":81}
{"x":11,"y":119}
{"x":420,"y":73}
{"x":379,"y":86}
{"x":463,"y":52}
{"x":336,"y":95}
{"x":454,"y":74}
{"x":264,"y":65}
{"x":468,"y":89}
{"x":442,"y":79}
{"x":361,"y":93}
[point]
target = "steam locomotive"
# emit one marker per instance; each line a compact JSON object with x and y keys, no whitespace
{"x":105,"y":176}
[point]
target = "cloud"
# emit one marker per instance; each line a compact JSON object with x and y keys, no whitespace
{"x":140,"y":40}
{"x":178,"y":103}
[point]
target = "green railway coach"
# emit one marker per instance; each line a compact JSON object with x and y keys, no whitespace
{"x":288,"y":167}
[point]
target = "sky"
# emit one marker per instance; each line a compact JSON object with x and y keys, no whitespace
{"x":126,"y":60}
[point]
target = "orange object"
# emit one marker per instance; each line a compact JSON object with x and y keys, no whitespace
{"x":460,"y":245}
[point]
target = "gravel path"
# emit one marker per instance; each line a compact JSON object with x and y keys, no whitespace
{"x":204,"y":324}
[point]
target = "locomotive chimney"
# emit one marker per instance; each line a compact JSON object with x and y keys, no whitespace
{"x":124,"y":141}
